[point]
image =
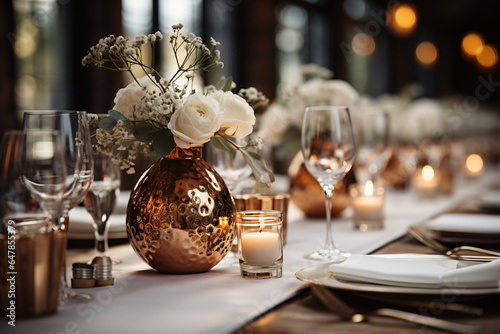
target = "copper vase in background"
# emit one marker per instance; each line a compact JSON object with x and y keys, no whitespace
{"x":309,"y":197}
{"x":181,"y":215}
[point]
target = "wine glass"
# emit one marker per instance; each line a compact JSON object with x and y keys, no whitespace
{"x":100,"y":200}
{"x":372,"y":133}
{"x":232,"y":168}
{"x":328,"y":149}
{"x":77,"y":150}
{"x":14,"y":197}
{"x":44,"y":171}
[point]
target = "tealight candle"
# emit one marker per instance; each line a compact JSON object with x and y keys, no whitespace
{"x":368,"y":205}
{"x":426,"y":182}
{"x":260,"y":243}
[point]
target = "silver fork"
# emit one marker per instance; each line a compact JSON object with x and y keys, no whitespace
{"x":335,"y":305}
{"x":484,"y":255}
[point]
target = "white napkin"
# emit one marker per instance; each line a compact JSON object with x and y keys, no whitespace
{"x":419,"y":271}
{"x":475,"y":223}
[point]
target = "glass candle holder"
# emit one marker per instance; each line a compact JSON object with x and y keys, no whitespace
{"x":31,"y":258}
{"x":426,"y":182}
{"x":254,"y":202}
{"x":368,"y":205}
{"x":260,"y":243}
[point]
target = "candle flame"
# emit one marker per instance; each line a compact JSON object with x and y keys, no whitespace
{"x":261,"y":225}
{"x":427,"y":173}
{"x":474,"y":163}
{"x":369,"y":188}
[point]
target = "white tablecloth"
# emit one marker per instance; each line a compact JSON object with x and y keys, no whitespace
{"x":219,"y":301}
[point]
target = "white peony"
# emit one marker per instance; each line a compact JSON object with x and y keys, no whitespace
{"x":239,"y":117}
{"x":127,"y":97}
{"x":195,"y":122}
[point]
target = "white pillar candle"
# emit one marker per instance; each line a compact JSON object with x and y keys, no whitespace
{"x":260,"y":248}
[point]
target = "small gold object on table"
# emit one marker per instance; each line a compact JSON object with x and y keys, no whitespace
{"x":260,"y":243}
{"x":368,"y":205}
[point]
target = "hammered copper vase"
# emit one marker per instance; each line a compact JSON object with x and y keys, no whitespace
{"x":309,"y":197}
{"x":181,"y":215}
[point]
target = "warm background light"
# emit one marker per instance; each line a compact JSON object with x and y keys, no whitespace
{"x":427,"y":173}
{"x":363,"y":44}
{"x":426,"y":54}
{"x":488,"y":57}
{"x":473,"y":165}
{"x":472,"y":44}
{"x":402,"y":19}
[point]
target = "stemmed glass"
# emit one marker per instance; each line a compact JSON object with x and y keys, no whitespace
{"x":77,"y":150}
{"x":232,"y":169}
{"x":44,"y":171}
{"x":100,"y":200}
{"x":74,"y":129}
{"x":328,"y":149}
{"x":373,"y":150}
{"x":15,"y":199}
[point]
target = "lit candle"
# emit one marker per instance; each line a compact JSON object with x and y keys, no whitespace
{"x":473,"y":165}
{"x":426,"y":182}
{"x":260,"y":248}
{"x":260,"y":243}
{"x":368,"y":207}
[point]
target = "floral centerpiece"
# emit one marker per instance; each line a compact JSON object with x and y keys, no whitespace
{"x":152,"y":115}
{"x":181,"y":216}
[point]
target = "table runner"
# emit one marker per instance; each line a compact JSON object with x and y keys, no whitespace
{"x":220,"y":301}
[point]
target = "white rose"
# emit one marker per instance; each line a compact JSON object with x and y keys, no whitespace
{"x":196,"y":121}
{"x":127,"y":97}
{"x":239,"y":117}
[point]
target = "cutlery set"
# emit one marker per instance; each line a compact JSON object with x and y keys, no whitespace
{"x":465,"y":253}
{"x":335,"y":305}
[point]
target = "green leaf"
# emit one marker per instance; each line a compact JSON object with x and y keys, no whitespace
{"x":143,"y":132}
{"x":227,"y":85}
{"x":107,"y":123}
{"x":262,"y":173}
{"x":163,"y":142}
{"x":117,"y":115}
{"x":223,"y":145}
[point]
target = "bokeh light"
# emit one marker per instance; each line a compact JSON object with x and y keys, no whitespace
{"x":472,"y":44}
{"x":426,"y":54}
{"x":473,"y":165}
{"x":363,"y":44}
{"x":488,"y":57}
{"x":402,"y":19}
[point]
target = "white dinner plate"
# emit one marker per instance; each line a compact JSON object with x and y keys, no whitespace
{"x":319,"y":274}
{"x":80,"y":224}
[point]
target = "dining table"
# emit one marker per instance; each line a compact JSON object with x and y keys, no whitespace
{"x":142,"y":300}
